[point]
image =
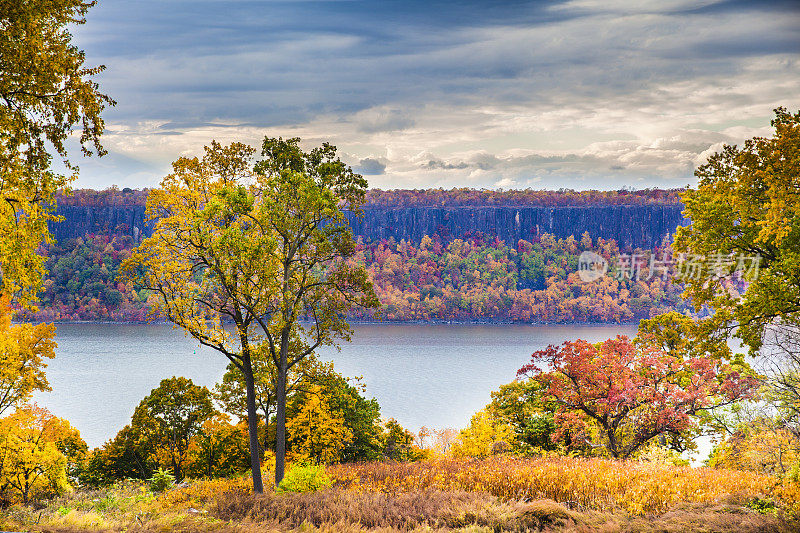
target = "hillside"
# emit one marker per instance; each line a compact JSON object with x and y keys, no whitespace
{"x":459,"y":255}
{"x":631,"y":218}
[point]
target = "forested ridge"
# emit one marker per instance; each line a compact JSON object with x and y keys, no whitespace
{"x":428,"y":197}
{"x":476,"y":279}
{"x":452,"y":273}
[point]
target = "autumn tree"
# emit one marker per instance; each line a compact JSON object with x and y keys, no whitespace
{"x":361,"y":415}
{"x":305,"y":192}
{"x":762,"y":444}
{"x":259,"y":246}
{"x":47,"y":92}
{"x":745,"y":223}
{"x":620,"y":395}
{"x":485,"y":435}
{"x":128,"y":455}
{"x":170,"y":416}
{"x":32,"y":462}
{"x":524,"y":406}
{"x":318,"y":433}
{"x":765,"y":435}
{"x":231,"y":391}
{"x":23,"y":349}
{"x":219,"y":449}
{"x":398,"y":443}
{"x":783,"y":379}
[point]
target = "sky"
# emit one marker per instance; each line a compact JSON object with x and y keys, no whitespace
{"x":581,"y":94}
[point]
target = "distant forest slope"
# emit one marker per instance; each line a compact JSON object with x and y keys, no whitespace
{"x":434,"y":255}
{"x":630,"y":218}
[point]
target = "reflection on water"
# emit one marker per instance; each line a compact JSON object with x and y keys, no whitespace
{"x":422,"y":375}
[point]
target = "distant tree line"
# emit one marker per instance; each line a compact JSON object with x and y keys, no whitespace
{"x":427,"y":197}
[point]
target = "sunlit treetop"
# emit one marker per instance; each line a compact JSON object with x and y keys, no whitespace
{"x":747,"y":205}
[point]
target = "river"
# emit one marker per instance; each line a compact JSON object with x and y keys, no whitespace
{"x":422,"y":375}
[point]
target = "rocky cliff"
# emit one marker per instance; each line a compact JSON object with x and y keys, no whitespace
{"x":636,"y":225}
{"x":630,"y":225}
{"x":80,"y":220}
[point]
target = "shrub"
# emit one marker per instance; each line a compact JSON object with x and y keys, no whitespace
{"x":161,"y":480}
{"x":305,"y":478}
{"x":762,"y":506}
{"x":661,"y":455}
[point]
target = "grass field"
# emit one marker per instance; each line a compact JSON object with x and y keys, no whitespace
{"x":497,"y":494}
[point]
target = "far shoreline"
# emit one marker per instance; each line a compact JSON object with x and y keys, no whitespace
{"x":363,"y":323}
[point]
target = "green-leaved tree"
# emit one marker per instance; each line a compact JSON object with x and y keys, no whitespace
{"x":261,"y":247}
{"x":170,"y":416}
{"x":747,"y":205}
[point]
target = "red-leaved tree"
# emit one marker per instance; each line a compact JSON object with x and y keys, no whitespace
{"x":626,"y":394}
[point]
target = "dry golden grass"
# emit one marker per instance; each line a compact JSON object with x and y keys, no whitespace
{"x":498,"y":494}
{"x":598,"y":484}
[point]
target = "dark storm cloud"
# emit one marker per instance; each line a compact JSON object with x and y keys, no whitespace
{"x":291,"y":60}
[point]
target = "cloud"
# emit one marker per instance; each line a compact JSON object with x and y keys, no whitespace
{"x":381,"y":119}
{"x":370,"y":167}
{"x":438,"y":164}
{"x":582,"y":93}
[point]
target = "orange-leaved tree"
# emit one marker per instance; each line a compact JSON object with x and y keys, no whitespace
{"x":620,"y":395}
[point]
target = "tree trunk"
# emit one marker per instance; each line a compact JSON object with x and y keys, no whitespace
{"x":252,"y":425}
{"x":280,"y":420}
{"x":266,"y":427}
{"x":175,"y":451}
{"x":176,"y":469}
{"x":612,"y":443}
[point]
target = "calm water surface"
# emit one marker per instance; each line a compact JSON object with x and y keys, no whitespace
{"x":422,"y":375}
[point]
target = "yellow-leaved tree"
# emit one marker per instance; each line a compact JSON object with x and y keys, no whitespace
{"x":485,"y":436}
{"x":745,"y":221}
{"x":318,"y":433}
{"x":35,"y":449}
{"x":23,"y":348}
{"x":259,"y":247}
{"x":46,"y":92}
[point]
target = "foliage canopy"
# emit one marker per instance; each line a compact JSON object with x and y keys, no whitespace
{"x":747,"y":203}
{"x":170,"y":416}
{"x":260,"y":246}
{"x":620,"y":394}
{"x":46,"y":92}
{"x":23,"y":349}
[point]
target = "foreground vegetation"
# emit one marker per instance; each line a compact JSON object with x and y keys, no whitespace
{"x":494,"y":494}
